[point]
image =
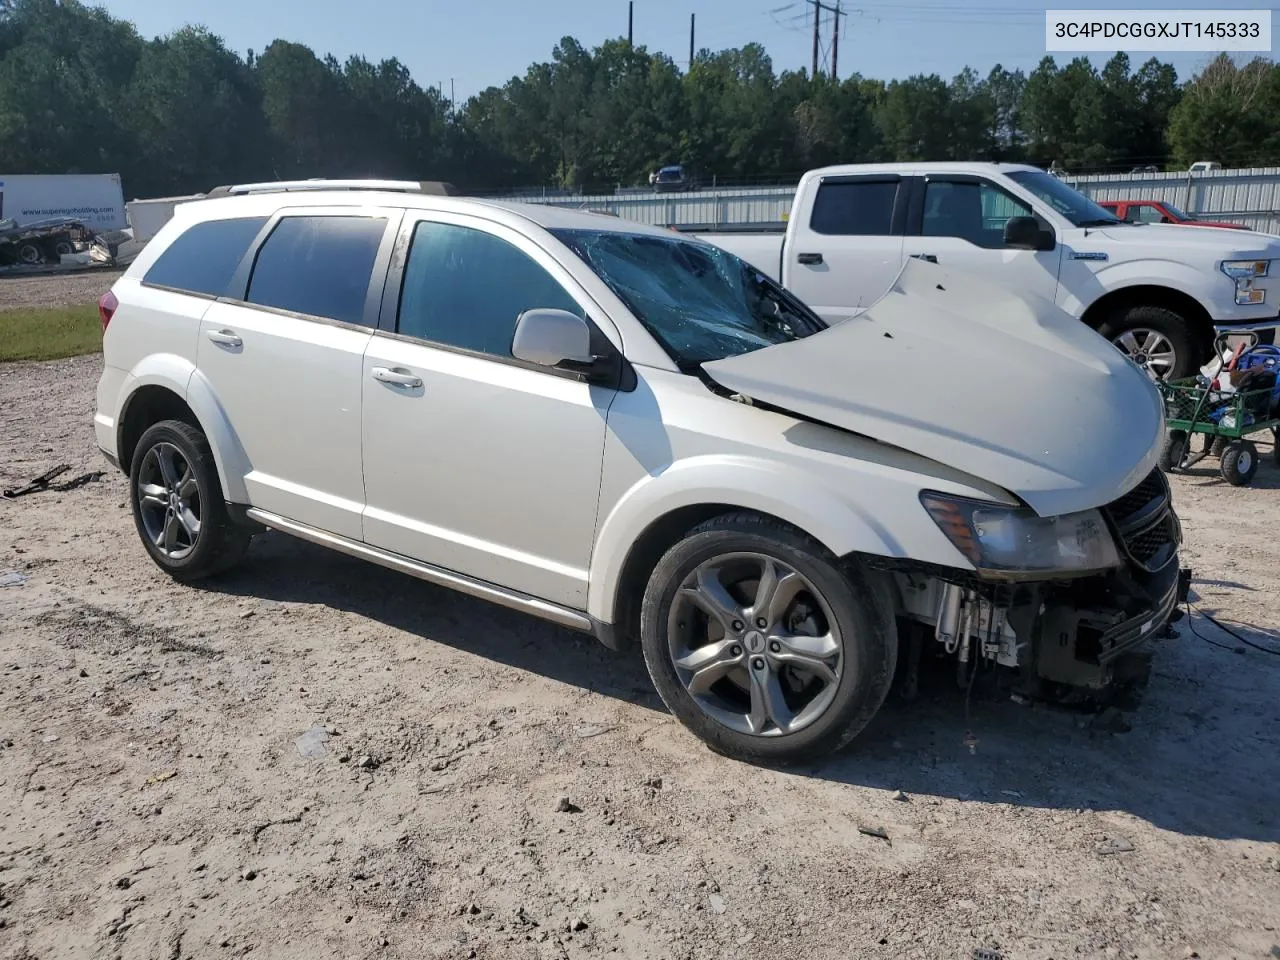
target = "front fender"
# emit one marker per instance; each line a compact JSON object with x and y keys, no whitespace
{"x":1080,"y":293}
{"x":180,"y":376}
{"x":774,"y":488}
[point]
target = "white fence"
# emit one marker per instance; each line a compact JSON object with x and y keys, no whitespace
{"x":1249,"y":197}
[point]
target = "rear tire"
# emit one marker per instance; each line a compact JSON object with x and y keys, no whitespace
{"x":1239,"y":463}
{"x":807,"y":681}
{"x":178,"y":505}
{"x":29,"y":253}
{"x":1158,"y":339}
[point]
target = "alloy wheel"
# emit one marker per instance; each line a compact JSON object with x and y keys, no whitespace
{"x":169,"y":501}
{"x":1149,"y":349}
{"x":755,"y":644}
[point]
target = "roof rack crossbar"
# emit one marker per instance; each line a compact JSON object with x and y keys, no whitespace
{"x":433,"y":187}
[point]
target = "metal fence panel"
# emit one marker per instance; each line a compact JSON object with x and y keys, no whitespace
{"x":1250,"y":197}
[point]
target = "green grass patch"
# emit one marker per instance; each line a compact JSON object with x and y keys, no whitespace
{"x":49,"y":334}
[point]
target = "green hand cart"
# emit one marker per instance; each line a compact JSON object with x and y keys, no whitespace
{"x":1225,"y":421}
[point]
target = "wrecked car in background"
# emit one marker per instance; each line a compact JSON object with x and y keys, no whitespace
{"x":45,"y":241}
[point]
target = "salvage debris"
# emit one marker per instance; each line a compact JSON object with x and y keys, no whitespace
{"x":12,"y":578}
{"x":1114,"y":845}
{"x":878,"y":832}
{"x":45,"y":482}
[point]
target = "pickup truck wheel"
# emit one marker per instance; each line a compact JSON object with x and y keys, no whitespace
{"x":1158,"y":340}
{"x":763,"y":644}
{"x":178,"y":505}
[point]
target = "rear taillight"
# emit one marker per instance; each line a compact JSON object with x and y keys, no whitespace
{"x":107,"y":308}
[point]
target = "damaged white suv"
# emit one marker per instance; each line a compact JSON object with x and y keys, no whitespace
{"x":636,"y":434}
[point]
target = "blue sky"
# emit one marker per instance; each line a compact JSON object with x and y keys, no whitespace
{"x":477,"y":44}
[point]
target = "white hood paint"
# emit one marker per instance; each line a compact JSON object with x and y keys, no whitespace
{"x":1012,"y":391}
{"x":1163,"y":238}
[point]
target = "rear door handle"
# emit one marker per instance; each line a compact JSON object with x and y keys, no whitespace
{"x":810,"y":259}
{"x":399,"y":378}
{"x":928,"y":257}
{"x":225,"y":338}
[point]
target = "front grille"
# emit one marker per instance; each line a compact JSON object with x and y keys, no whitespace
{"x":1145,"y":525}
{"x":1132,"y":504}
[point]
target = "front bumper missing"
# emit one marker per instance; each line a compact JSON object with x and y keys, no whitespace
{"x":1083,"y":629}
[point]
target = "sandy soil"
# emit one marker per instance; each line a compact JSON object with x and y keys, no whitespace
{"x":155,"y":801}
{"x":56,"y":289}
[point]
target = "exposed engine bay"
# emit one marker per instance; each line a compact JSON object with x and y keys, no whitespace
{"x":1071,"y":633}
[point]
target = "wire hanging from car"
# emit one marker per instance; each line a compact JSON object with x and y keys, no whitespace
{"x":1225,"y":629}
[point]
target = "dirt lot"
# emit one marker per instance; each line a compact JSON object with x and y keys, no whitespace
{"x":155,"y":803}
{"x":56,"y":289}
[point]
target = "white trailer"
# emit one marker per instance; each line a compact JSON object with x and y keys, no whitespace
{"x":95,"y":199}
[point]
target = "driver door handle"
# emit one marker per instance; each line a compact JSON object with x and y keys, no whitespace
{"x":810,"y":259}
{"x":225,"y":338}
{"x":399,"y":378}
{"x":928,"y":257}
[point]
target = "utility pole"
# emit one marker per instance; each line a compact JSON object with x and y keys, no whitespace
{"x":835,"y":46}
{"x":453,"y":100}
{"x":692,"y":18}
{"x":817,"y":19}
{"x":818,"y":8}
{"x":631,"y":12}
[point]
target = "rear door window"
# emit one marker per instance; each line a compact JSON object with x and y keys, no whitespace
{"x":319,"y":266}
{"x":204,"y":258}
{"x":855,"y":208}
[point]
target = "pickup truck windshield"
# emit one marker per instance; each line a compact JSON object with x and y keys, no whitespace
{"x":701,"y":303}
{"x":1073,"y":205}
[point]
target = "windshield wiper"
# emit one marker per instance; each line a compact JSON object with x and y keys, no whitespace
{"x":1111,"y":222}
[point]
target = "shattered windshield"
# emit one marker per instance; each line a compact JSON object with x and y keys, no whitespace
{"x":700,"y":302}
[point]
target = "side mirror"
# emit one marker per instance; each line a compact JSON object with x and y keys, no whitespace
{"x":1025,"y":233}
{"x":557,"y":338}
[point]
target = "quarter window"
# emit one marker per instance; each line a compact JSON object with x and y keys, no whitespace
{"x":318,"y":266}
{"x":203,"y":259}
{"x":466,"y":288}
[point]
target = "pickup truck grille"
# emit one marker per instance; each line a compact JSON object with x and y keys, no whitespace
{"x":1145,"y":524}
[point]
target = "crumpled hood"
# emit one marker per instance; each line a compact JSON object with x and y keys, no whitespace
{"x":1013,"y":391}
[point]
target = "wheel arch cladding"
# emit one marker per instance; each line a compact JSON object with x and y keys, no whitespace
{"x":659,"y":510}
{"x":155,"y":398}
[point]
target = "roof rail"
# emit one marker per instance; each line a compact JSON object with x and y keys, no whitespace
{"x":436,"y":188}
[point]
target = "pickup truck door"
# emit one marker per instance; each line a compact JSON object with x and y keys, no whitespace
{"x":957,"y":221}
{"x":474,"y":461}
{"x":847,"y":252}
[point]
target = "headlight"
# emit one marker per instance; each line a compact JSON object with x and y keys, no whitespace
{"x":1244,"y":272}
{"x":1244,"y":269}
{"x":1009,"y":543}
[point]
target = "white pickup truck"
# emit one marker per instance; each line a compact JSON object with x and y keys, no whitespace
{"x":1157,"y":291}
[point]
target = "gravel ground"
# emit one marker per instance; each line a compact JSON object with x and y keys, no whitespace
{"x":56,"y":289}
{"x":155,"y":801}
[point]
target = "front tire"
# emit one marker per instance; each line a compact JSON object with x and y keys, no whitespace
{"x":765,"y":645}
{"x":1159,"y":340}
{"x":1173,"y":451}
{"x":178,"y":506}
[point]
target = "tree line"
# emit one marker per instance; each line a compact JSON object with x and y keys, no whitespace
{"x":81,"y":91}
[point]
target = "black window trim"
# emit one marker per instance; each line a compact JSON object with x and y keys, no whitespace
{"x":389,"y":313}
{"x":897,"y":216}
{"x":915,"y":224}
{"x":239,"y":286}
{"x":231,"y":284}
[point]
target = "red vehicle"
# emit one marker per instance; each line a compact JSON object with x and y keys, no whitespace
{"x":1157,"y":211}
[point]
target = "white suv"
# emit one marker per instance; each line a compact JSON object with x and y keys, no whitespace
{"x":636,"y":434}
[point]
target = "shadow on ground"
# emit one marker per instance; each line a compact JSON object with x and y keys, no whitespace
{"x":1199,"y":756}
